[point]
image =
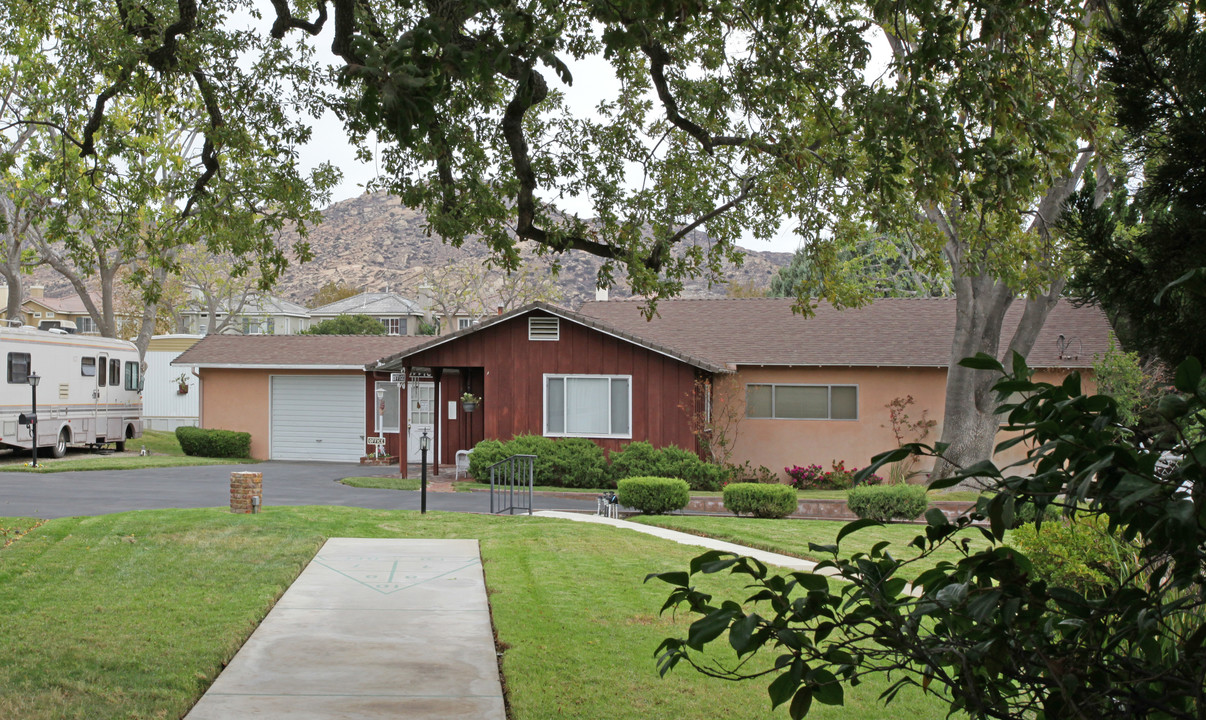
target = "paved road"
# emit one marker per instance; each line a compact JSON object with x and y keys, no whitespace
{"x":101,"y":492}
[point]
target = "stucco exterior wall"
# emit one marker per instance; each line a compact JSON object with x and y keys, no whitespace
{"x":240,"y":400}
{"x":782,"y":443}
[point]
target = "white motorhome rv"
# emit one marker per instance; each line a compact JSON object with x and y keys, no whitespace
{"x":89,"y":389}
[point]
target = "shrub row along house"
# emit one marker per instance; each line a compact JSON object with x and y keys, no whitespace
{"x":782,"y":389}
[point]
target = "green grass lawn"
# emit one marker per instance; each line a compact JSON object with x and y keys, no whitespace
{"x":384,"y":483}
{"x":165,"y":452}
{"x":791,"y":537}
{"x":132,"y":615}
{"x":959,"y":495}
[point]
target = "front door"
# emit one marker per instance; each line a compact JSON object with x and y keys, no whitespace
{"x":421,"y":415}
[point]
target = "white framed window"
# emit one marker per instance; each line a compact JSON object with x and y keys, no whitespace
{"x":598,"y":406}
{"x":85,"y":325}
{"x":464,"y":323}
{"x":37,"y":314}
{"x":801,"y":402}
{"x":387,"y":422}
{"x":49,"y":314}
{"x":394,"y":326}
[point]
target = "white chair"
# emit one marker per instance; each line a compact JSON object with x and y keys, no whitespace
{"x":462,"y":463}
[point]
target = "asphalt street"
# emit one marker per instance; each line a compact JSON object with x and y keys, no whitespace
{"x":101,"y":492}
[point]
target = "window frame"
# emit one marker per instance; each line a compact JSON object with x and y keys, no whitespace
{"x":544,"y":405}
{"x":133,"y":373}
{"x":28,"y":366}
{"x":828,"y":401}
{"x":464,"y":323}
{"x":84,"y":366}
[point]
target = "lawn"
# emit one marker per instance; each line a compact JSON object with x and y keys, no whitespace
{"x":384,"y":483}
{"x":162,"y":445}
{"x":791,"y":537}
{"x":132,"y":615}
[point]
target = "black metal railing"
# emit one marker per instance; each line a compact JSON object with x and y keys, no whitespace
{"x":508,"y":476}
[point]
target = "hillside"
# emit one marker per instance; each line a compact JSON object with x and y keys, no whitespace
{"x":372,"y":242}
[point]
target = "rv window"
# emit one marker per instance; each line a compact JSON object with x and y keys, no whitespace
{"x":115,"y":372}
{"x":88,"y":367}
{"x":132,"y":376}
{"x":101,"y":375}
{"x":18,"y":368}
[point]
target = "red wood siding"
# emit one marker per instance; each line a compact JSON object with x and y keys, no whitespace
{"x":507,"y":370}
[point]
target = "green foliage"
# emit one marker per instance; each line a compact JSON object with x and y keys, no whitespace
{"x":871,"y":268}
{"x":347,"y":325}
{"x":985,"y":633}
{"x":635,"y":459}
{"x":1120,"y":375}
{"x":1079,"y":554}
{"x":1028,"y":514}
{"x":204,"y":442}
{"x":331,"y":292}
{"x":578,"y":463}
{"x":759,"y":500}
{"x":887,"y":502}
{"x":428,"y":328}
{"x":675,"y":462}
{"x":653,"y":495}
{"x":485,"y":454}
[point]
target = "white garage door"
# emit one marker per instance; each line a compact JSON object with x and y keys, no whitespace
{"x":317,"y":417}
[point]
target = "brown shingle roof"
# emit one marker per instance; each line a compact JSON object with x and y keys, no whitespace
{"x":295,"y":350}
{"x":912,"y":332}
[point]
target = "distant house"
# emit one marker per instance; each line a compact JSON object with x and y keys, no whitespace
{"x":399,"y":315}
{"x":39,"y":310}
{"x":259,"y":315}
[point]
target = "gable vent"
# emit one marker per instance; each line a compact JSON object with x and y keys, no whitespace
{"x":544,"y":328}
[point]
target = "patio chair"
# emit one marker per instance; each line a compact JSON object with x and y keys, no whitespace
{"x":462,"y":463}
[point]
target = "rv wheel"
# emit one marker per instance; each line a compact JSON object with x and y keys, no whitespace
{"x":60,"y":447}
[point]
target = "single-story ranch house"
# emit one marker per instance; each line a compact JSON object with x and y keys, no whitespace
{"x":801,"y":390}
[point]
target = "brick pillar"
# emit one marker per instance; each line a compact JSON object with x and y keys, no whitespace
{"x":243,"y":487}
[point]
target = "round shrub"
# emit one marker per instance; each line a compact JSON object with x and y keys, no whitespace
{"x":579,"y":463}
{"x":653,"y":495}
{"x":206,"y":442}
{"x":760,"y":500}
{"x":542,"y":448}
{"x":485,"y":454}
{"x":636,"y":459}
{"x":887,"y":502}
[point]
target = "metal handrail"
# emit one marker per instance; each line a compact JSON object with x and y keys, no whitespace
{"x":505,"y":475}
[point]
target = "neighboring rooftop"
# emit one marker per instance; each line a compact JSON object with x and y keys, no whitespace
{"x":296,"y":351}
{"x":911,"y":332}
{"x":371,"y":303}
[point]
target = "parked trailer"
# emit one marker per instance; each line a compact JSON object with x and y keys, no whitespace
{"x":89,"y":390}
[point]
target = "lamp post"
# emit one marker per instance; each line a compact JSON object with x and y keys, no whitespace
{"x":380,"y":417}
{"x":424,"y":443}
{"x":33,"y":417}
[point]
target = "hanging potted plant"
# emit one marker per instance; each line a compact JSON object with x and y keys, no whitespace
{"x":469,"y":401}
{"x":182,"y":384}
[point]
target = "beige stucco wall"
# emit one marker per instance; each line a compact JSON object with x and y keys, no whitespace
{"x":778,"y":444}
{"x":240,"y":400}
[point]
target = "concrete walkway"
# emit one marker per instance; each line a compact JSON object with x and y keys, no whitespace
{"x":763,"y":556}
{"x":372,"y":628}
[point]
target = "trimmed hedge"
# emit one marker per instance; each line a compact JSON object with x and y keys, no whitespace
{"x":887,"y":502}
{"x":653,"y":495}
{"x":580,"y":463}
{"x":760,"y":500}
{"x":203,"y":442}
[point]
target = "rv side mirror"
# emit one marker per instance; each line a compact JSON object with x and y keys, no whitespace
{"x":29,"y":419}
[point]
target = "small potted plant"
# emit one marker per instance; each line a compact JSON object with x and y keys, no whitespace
{"x":469,"y":401}
{"x":182,"y":384}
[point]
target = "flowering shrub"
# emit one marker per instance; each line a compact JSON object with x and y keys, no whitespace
{"x":805,"y":478}
{"x":814,"y":478}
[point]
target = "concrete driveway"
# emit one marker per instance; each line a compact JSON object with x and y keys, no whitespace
{"x":100,"y":492}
